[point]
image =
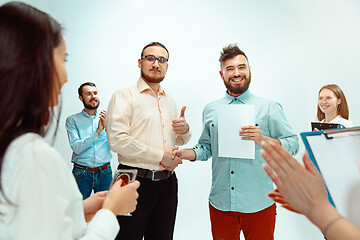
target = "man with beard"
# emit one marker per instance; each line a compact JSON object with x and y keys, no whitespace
{"x":237,"y":200}
{"x":88,"y":140}
{"x":143,"y":127}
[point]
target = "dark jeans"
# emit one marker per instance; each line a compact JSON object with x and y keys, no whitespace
{"x":154,"y":217}
{"x":89,"y":180}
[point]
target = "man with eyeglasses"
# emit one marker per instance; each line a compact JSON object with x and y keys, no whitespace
{"x":144,"y":128}
{"x":237,"y":200}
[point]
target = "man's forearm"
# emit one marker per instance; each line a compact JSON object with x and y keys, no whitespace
{"x":272,"y":140}
{"x":188,"y":154}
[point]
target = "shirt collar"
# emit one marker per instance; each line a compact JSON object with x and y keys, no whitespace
{"x":142,"y":86}
{"x":337,"y":118}
{"x":242,"y":98}
{"x":87,"y":115}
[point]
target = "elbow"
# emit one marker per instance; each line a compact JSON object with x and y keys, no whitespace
{"x":112,"y":147}
{"x":119,"y":142}
{"x":118,"y":146}
{"x":76,"y":150}
{"x":295,"y":148}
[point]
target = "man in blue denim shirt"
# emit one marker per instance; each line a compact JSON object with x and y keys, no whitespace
{"x":88,"y":140}
{"x":237,"y":200}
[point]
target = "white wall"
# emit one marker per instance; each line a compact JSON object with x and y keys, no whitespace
{"x":294,"y":48}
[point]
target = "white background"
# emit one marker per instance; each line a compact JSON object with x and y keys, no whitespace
{"x":294,"y":48}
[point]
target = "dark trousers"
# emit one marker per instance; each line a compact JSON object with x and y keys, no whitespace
{"x":154,"y":217}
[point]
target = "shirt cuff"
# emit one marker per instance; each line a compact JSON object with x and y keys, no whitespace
{"x":104,"y":225}
{"x":197,"y":153}
{"x":155,"y":155}
{"x":285,"y":144}
{"x":186,"y":137}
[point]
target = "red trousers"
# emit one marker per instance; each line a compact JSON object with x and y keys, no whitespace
{"x":227,"y":225}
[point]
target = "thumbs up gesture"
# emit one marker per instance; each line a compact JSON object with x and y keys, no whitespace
{"x":179,"y":125}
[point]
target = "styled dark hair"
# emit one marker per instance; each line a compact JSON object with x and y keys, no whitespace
{"x":342,"y":108}
{"x":157,"y":44}
{"x":230,"y":51}
{"x":80,"y":89}
{"x":28,"y":37}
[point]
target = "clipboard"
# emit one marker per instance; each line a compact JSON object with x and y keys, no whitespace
{"x":324,"y":126}
{"x":334,"y":153}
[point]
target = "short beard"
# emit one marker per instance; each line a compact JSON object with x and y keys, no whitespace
{"x":88,"y":106}
{"x":238,"y":90}
{"x":149,"y":79}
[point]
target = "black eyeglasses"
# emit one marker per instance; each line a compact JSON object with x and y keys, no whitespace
{"x":152,"y":58}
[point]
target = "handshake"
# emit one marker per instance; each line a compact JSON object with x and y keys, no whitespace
{"x":171,"y":158}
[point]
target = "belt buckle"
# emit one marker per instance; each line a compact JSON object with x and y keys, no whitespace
{"x":153,"y":175}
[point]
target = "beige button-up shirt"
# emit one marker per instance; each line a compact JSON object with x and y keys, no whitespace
{"x":139,"y":126}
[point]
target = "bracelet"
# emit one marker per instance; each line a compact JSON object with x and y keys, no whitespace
{"x":330,"y":224}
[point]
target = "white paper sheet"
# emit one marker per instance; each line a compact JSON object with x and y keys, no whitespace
{"x":230,"y":120}
{"x":336,"y":159}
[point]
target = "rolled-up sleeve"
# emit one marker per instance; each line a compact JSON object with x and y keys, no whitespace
{"x":203,"y":148}
{"x":183,"y":139}
{"x":280,"y":128}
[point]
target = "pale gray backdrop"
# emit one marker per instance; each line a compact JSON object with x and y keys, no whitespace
{"x":294,"y":48}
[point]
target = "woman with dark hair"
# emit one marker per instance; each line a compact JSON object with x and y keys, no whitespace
{"x":39,"y":198}
{"x":332,"y":106}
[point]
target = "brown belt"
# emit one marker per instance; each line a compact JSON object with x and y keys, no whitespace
{"x":149,"y":174}
{"x":97,"y":169}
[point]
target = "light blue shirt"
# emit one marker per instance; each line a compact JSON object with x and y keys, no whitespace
{"x":241,"y":184}
{"x":89,"y":148}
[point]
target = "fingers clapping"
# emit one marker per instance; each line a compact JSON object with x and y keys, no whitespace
{"x":301,"y":188}
{"x":101,"y":124}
